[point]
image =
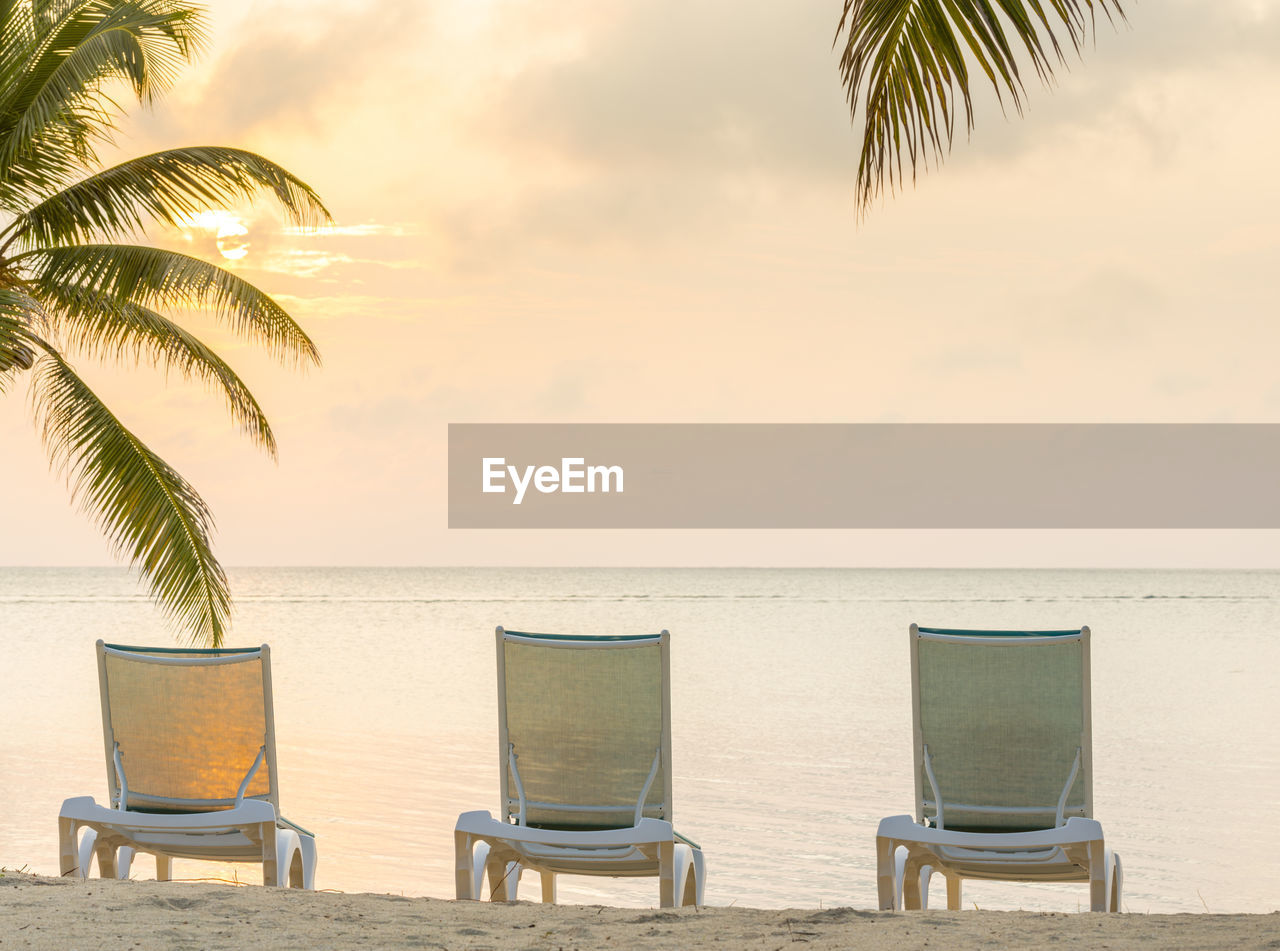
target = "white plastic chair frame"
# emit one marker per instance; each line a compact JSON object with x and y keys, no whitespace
{"x":240,"y":829}
{"x":650,"y":846}
{"x":910,"y":849}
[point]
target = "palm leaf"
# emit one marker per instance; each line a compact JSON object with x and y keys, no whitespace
{"x":167,"y":186}
{"x":904,"y":61}
{"x":108,"y":329}
{"x":156,"y":277}
{"x":142,"y":42}
{"x":149,"y":512}
{"x":18,"y":341}
{"x":33,"y":176}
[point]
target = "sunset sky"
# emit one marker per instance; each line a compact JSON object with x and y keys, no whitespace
{"x":644,"y":211}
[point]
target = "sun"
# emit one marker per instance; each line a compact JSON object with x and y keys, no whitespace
{"x":233,"y":241}
{"x":228,"y":231}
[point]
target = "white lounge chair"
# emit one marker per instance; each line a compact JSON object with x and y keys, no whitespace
{"x":1003,"y":769}
{"x":584,"y":746}
{"x":190,"y":744}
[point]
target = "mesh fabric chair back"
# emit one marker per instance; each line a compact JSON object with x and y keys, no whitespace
{"x":584,"y":729}
{"x":188,"y":726}
{"x":1002,"y":723}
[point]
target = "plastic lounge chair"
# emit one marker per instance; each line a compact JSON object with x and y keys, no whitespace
{"x":190,"y":745}
{"x":584,"y":746}
{"x":1003,"y":769}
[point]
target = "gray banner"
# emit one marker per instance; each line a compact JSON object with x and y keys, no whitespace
{"x":864,"y":476}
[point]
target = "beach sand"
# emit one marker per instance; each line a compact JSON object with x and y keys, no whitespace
{"x":38,"y":912}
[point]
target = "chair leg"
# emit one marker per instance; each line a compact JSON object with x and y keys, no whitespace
{"x":700,"y":877}
{"x":1117,"y":882}
{"x":911,"y":881}
{"x":926,"y":881}
{"x":686,"y":870}
{"x":548,"y":888}
{"x":690,"y":894}
{"x":106,"y":860}
{"x":124,"y":861}
{"x":504,"y":878}
{"x":296,"y":875}
{"x":71,"y":861}
{"x":469,"y":859}
{"x":1098,"y":878}
{"x":466,"y":885}
{"x":886,"y":873}
{"x":307,"y":852}
{"x":954,"y":885}
{"x":164,"y":868}
{"x":270,"y":873}
{"x":667,"y":874}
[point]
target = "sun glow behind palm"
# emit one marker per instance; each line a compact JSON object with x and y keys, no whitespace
{"x":229,"y":231}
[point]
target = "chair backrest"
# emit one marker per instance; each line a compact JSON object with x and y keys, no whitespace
{"x":584,"y":729}
{"x":1002,"y":728}
{"x":187,"y":730}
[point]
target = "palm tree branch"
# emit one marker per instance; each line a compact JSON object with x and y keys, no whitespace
{"x":148,"y":511}
{"x":19,"y":316}
{"x":107,"y":329}
{"x":170,"y":187}
{"x":903,"y":61}
{"x":160,"y":278}
{"x":142,"y":42}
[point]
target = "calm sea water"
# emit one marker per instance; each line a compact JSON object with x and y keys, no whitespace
{"x":791,"y":710}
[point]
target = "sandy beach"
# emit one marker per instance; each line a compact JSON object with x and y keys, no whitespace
{"x":38,"y":912}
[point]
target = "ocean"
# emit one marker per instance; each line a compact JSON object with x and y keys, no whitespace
{"x":791,"y":709}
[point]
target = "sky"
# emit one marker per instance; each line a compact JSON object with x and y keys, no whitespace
{"x":643,"y":211}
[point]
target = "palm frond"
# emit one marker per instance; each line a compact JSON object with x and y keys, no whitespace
{"x":122,"y":330}
{"x":142,"y":42}
{"x":149,"y":512}
{"x":32,"y":176}
{"x":156,"y":277}
{"x":19,"y":315}
{"x":905,"y":61}
{"x":169,"y":187}
{"x":60,"y":60}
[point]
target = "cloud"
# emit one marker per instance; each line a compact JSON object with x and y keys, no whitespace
{"x":641,"y":118}
{"x":1170,"y":59}
{"x":288,"y":68}
{"x":369,"y":229}
{"x":273,"y":76}
{"x":717,"y":86}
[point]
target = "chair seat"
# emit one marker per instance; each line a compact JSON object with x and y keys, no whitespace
{"x":1073,"y":852}
{"x":617,"y":852}
{"x":227,"y":835}
{"x":649,"y":848}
